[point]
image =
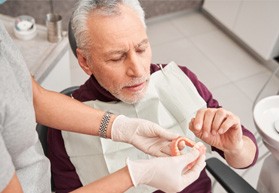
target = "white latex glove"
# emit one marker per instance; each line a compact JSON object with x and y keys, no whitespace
{"x":144,"y":135}
{"x":169,"y":174}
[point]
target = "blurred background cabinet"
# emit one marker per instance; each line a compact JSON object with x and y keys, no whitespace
{"x":48,"y":63}
{"x":59,"y":77}
{"x":254,"y":22}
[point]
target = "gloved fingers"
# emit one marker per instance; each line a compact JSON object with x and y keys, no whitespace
{"x":200,"y":163}
{"x":193,"y":174}
{"x":188,"y":176}
{"x":160,"y":148}
{"x":201,"y":147}
{"x":191,"y":156}
{"x":166,"y":173}
{"x":167,"y":148}
{"x":191,"y":159}
{"x":164,"y":151}
{"x":190,"y":165}
{"x":161,"y":154}
{"x":196,"y":166}
{"x":163,"y":133}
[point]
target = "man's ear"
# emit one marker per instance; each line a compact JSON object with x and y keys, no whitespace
{"x":83,"y":62}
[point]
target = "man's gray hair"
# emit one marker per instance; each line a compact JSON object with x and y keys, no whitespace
{"x":104,"y":7}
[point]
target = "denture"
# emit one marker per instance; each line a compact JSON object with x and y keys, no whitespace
{"x":175,"y":145}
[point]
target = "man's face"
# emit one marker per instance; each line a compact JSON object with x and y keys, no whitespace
{"x":120,"y":54}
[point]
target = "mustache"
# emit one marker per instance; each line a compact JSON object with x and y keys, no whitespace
{"x":136,"y":81}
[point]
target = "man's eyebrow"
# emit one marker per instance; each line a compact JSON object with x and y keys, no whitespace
{"x":120,"y":52}
{"x":114,"y":52}
{"x":145,"y":41}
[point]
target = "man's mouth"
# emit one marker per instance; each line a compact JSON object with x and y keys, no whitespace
{"x":136,"y":87}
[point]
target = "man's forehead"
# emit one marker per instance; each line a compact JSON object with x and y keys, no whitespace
{"x":116,"y":34}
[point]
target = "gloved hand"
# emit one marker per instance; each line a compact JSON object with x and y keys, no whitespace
{"x":144,"y":135}
{"x":169,"y":174}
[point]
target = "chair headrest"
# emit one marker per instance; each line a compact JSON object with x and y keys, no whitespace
{"x":72,"y":39}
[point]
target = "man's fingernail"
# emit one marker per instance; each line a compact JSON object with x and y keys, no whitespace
{"x":198,"y":126}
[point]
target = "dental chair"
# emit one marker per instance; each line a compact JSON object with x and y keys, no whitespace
{"x":222,"y":173}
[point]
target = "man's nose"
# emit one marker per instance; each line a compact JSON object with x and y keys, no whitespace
{"x":135,"y":67}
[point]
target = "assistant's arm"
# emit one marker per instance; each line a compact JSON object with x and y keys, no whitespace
{"x":65,"y":113}
{"x":119,"y":181}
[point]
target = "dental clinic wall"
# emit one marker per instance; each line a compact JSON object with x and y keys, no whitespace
{"x":39,"y":8}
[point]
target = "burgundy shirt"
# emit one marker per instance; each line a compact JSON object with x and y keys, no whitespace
{"x":64,"y":173}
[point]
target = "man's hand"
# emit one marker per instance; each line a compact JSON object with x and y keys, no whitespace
{"x":144,"y":135}
{"x":219,"y":128}
{"x":169,"y":174}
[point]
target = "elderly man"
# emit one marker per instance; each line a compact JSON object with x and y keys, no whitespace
{"x":113,"y":48}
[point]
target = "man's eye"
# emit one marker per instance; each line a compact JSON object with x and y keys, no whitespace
{"x":141,"y":51}
{"x":117,"y":59}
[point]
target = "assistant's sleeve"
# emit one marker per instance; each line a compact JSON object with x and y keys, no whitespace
{"x":6,"y":165}
{"x":213,"y":103}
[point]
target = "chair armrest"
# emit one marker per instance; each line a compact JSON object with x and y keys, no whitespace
{"x":228,"y":179}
